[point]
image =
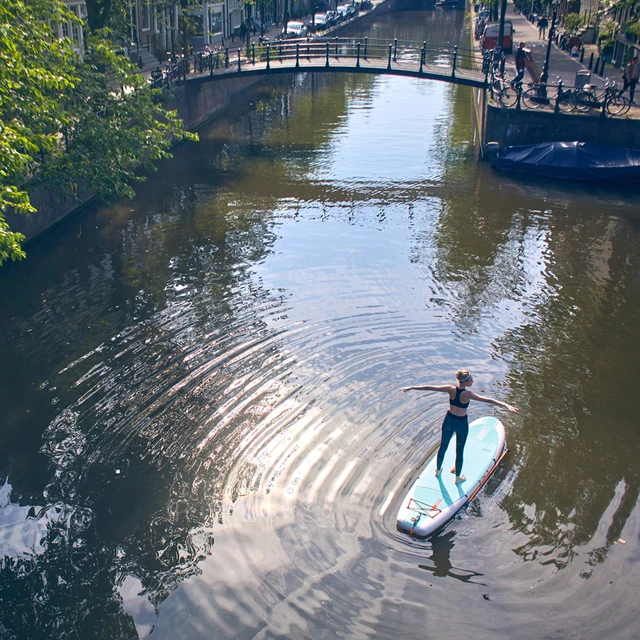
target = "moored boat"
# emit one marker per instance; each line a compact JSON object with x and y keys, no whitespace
{"x":572,"y":161}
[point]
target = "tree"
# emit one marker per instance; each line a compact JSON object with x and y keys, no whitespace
{"x":573,"y":22}
{"x":64,"y":119}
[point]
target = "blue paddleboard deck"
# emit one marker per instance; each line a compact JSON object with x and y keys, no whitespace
{"x":432,"y":502}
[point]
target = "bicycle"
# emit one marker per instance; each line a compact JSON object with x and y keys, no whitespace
{"x":540,"y":94}
{"x":536,"y":96}
{"x":609,"y":98}
{"x":504,"y":92}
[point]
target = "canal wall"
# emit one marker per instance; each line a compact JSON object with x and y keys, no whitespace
{"x":516,"y":127}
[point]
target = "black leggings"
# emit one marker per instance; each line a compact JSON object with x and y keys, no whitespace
{"x":460,"y":426}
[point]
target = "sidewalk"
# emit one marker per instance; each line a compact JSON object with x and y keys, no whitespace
{"x":561,"y":64}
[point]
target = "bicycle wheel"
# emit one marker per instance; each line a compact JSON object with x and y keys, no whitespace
{"x":618,"y":105}
{"x":584,"y":101}
{"x":508,"y":96}
{"x":534,"y":98}
{"x":565,"y":101}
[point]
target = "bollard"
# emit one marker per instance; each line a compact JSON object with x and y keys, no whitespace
{"x":366,"y":40}
{"x":308,"y":49}
{"x":253,"y":53}
{"x":390,"y":52}
{"x":326,"y":64}
{"x":336,"y":46}
{"x":591,"y":61}
{"x":268,"y":54}
{"x":422,"y":54}
{"x":395,"y":49}
{"x":455,"y":61}
{"x":556,"y":108}
{"x":239,"y":67}
{"x":226,"y":57}
{"x":582,"y":54}
{"x":280,"y":53}
{"x":297,"y":54}
{"x":358,"y":57}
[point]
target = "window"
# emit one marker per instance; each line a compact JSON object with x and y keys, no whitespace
{"x":146,"y":17}
{"x":215,"y":23}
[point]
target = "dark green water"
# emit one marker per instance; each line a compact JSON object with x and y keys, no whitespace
{"x":202,"y":427}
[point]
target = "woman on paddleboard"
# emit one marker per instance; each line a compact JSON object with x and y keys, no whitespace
{"x":456,"y":420}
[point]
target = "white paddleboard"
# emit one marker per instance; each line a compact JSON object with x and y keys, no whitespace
{"x":432,"y":502}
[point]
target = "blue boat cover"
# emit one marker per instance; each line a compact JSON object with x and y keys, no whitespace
{"x":572,"y":161}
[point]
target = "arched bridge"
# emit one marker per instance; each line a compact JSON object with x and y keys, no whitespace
{"x":352,"y":55}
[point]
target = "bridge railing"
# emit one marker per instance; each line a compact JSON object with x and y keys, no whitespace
{"x":333,"y":51}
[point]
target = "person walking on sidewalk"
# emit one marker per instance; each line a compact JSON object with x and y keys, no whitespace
{"x":630,"y":77}
{"x":520,"y":58}
{"x":543,"y":23}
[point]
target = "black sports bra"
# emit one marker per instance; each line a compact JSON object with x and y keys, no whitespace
{"x":456,"y":401}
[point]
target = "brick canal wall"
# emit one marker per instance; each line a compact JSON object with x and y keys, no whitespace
{"x":513,"y":127}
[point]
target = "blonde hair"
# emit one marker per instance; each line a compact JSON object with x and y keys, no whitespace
{"x":462,"y":375}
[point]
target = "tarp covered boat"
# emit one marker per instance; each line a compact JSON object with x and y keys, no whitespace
{"x":572,"y":161}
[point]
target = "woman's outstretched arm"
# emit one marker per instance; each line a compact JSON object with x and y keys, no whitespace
{"x":430,"y":387}
{"x":475,"y":396}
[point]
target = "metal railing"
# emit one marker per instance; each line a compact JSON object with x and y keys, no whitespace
{"x":375,"y":54}
{"x":607,"y":100}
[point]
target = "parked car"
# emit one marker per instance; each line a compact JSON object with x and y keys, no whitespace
{"x":332,"y":18}
{"x":295,"y":29}
{"x":346,"y":11}
{"x":320,"y":20}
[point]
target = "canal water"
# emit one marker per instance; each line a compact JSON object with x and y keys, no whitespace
{"x":202,"y":431}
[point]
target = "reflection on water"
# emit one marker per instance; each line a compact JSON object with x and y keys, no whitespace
{"x":202,"y":424}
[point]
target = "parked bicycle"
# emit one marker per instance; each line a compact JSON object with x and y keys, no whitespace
{"x":608,"y":98}
{"x":540,"y":94}
{"x":504,"y":92}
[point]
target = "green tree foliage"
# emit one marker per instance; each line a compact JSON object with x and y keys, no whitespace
{"x":573,"y":22}
{"x":66,"y":119}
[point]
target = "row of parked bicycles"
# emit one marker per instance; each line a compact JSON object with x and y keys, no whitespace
{"x":607,"y":98}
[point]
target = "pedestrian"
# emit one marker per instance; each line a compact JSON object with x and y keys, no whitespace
{"x":543,"y":23}
{"x":630,"y":77}
{"x":456,"y":420}
{"x":521,"y":63}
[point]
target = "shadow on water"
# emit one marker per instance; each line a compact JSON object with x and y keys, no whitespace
{"x":441,"y":548}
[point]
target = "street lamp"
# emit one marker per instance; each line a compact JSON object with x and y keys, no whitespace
{"x":544,"y":76}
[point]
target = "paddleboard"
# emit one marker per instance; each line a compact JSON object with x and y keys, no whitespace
{"x":432,"y":502}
